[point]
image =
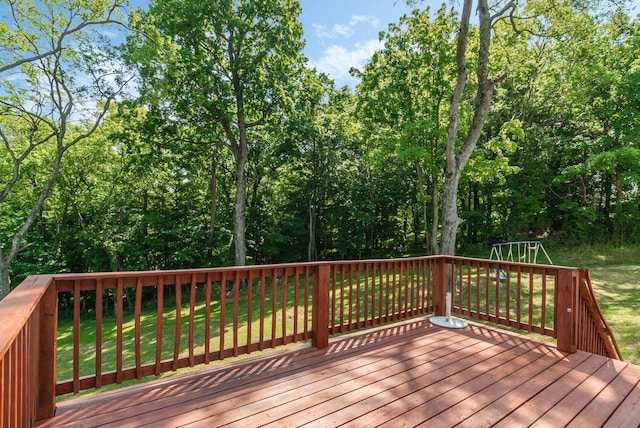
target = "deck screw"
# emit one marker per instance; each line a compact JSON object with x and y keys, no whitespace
{"x":569,"y":310}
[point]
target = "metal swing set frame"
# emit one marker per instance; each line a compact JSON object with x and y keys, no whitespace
{"x":518,"y":251}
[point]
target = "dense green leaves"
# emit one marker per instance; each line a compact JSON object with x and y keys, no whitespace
{"x":58,"y":76}
{"x":234,"y":144}
{"x":216,"y":72}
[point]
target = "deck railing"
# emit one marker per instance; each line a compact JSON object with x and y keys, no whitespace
{"x":119,"y":326}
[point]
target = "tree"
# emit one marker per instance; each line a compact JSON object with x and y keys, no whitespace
{"x":58,"y":78}
{"x":456,"y":160}
{"x":569,"y":80}
{"x":216,"y":70}
{"x":402,"y":97}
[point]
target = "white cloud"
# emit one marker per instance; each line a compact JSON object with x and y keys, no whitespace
{"x":371,"y":20}
{"x":344,"y":30}
{"x":336,"y":60}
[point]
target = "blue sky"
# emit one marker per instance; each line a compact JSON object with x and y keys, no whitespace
{"x":341,"y":34}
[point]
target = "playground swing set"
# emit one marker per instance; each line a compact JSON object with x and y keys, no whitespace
{"x":520,"y":251}
{"x":517,"y":251}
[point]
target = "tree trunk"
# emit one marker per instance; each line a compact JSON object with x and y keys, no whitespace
{"x":619,"y":188}
{"x":16,"y":244}
{"x":482,"y":102}
{"x":312,"y":250}
{"x":213,"y":190}
{"x":424,"y":203}
{"x":240,"y":205}
{"x":5,"y":280}
{"x":450,"y":219}
{"x":435,"y":203}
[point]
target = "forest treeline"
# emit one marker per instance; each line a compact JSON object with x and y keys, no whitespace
{"x":207,"y":126}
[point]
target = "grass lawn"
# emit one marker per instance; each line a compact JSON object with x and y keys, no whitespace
{"x":615,"y":274}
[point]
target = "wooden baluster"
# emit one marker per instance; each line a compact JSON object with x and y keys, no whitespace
{"x":306,"y":303}
{"x":497,"y":295}
{"x":296,"y":296}
{"x":207,"y":319}
{"x":469,"y":288}
{"x":274,"y":309}
{"x":283,"y":321}
{"x":99,"y":317}
{"x":508,"y":296}
{"x":460,"y":287}
{"x":137,"y":314}
{"x":477,"y":306}
{"x":519,"y":298}
{"x":263,"y":281}
{"x":178,"y":326}
{"x":543,"y":308}
{"x":236,"y":298}
{"x":159,"y":317}
{"x":76,"y":337}
{"x":119,"y":332}
{"x":249,"y":309}
{"x":367,"y":316}
{"x":358,"y":297}
{"x":334,"y":297}
{"x":192,"y":315}
{"x":223,"y":308}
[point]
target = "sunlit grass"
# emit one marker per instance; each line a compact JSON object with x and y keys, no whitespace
{"x":272,"y":326}
{"x":615,"y":274}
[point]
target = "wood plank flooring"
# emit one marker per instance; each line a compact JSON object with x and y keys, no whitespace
{"x":406,"y":374}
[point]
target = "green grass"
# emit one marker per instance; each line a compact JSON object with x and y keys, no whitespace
{"x":615,"y":275}
{"x":148,"y":324}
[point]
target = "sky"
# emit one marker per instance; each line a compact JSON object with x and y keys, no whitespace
{"x":341,"y":34}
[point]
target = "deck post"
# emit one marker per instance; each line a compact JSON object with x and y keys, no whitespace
{"x":320,"y":306}
{"x":566,"y":310}
{"x":440,"y":280}
{"x":47,"y":344}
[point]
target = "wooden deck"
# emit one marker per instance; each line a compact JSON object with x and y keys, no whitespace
{"x":406,"y":374}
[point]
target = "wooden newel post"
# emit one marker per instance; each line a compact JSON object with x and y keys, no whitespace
{"x":320,"y":306}
{"x":46,"y":355}
{"x":440,"y":286}
{"x":566,"y":310}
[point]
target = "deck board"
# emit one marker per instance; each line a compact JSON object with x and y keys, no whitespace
{"x":406,"y":374}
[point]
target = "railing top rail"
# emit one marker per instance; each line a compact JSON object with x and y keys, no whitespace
{"x":16,"y":308}
{"x":248,"y":268}
{"x":494,"y":263}
{"x":126,"y":274}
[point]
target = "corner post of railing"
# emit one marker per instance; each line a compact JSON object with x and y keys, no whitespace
{"x":47,"y":344}
{"x":440,"y":286}
{"x":320,"y":305}
{"x":566,"y":310}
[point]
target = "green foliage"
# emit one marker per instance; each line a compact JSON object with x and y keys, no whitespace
{"x":58,"y":76}
{"x":329,"y":173}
